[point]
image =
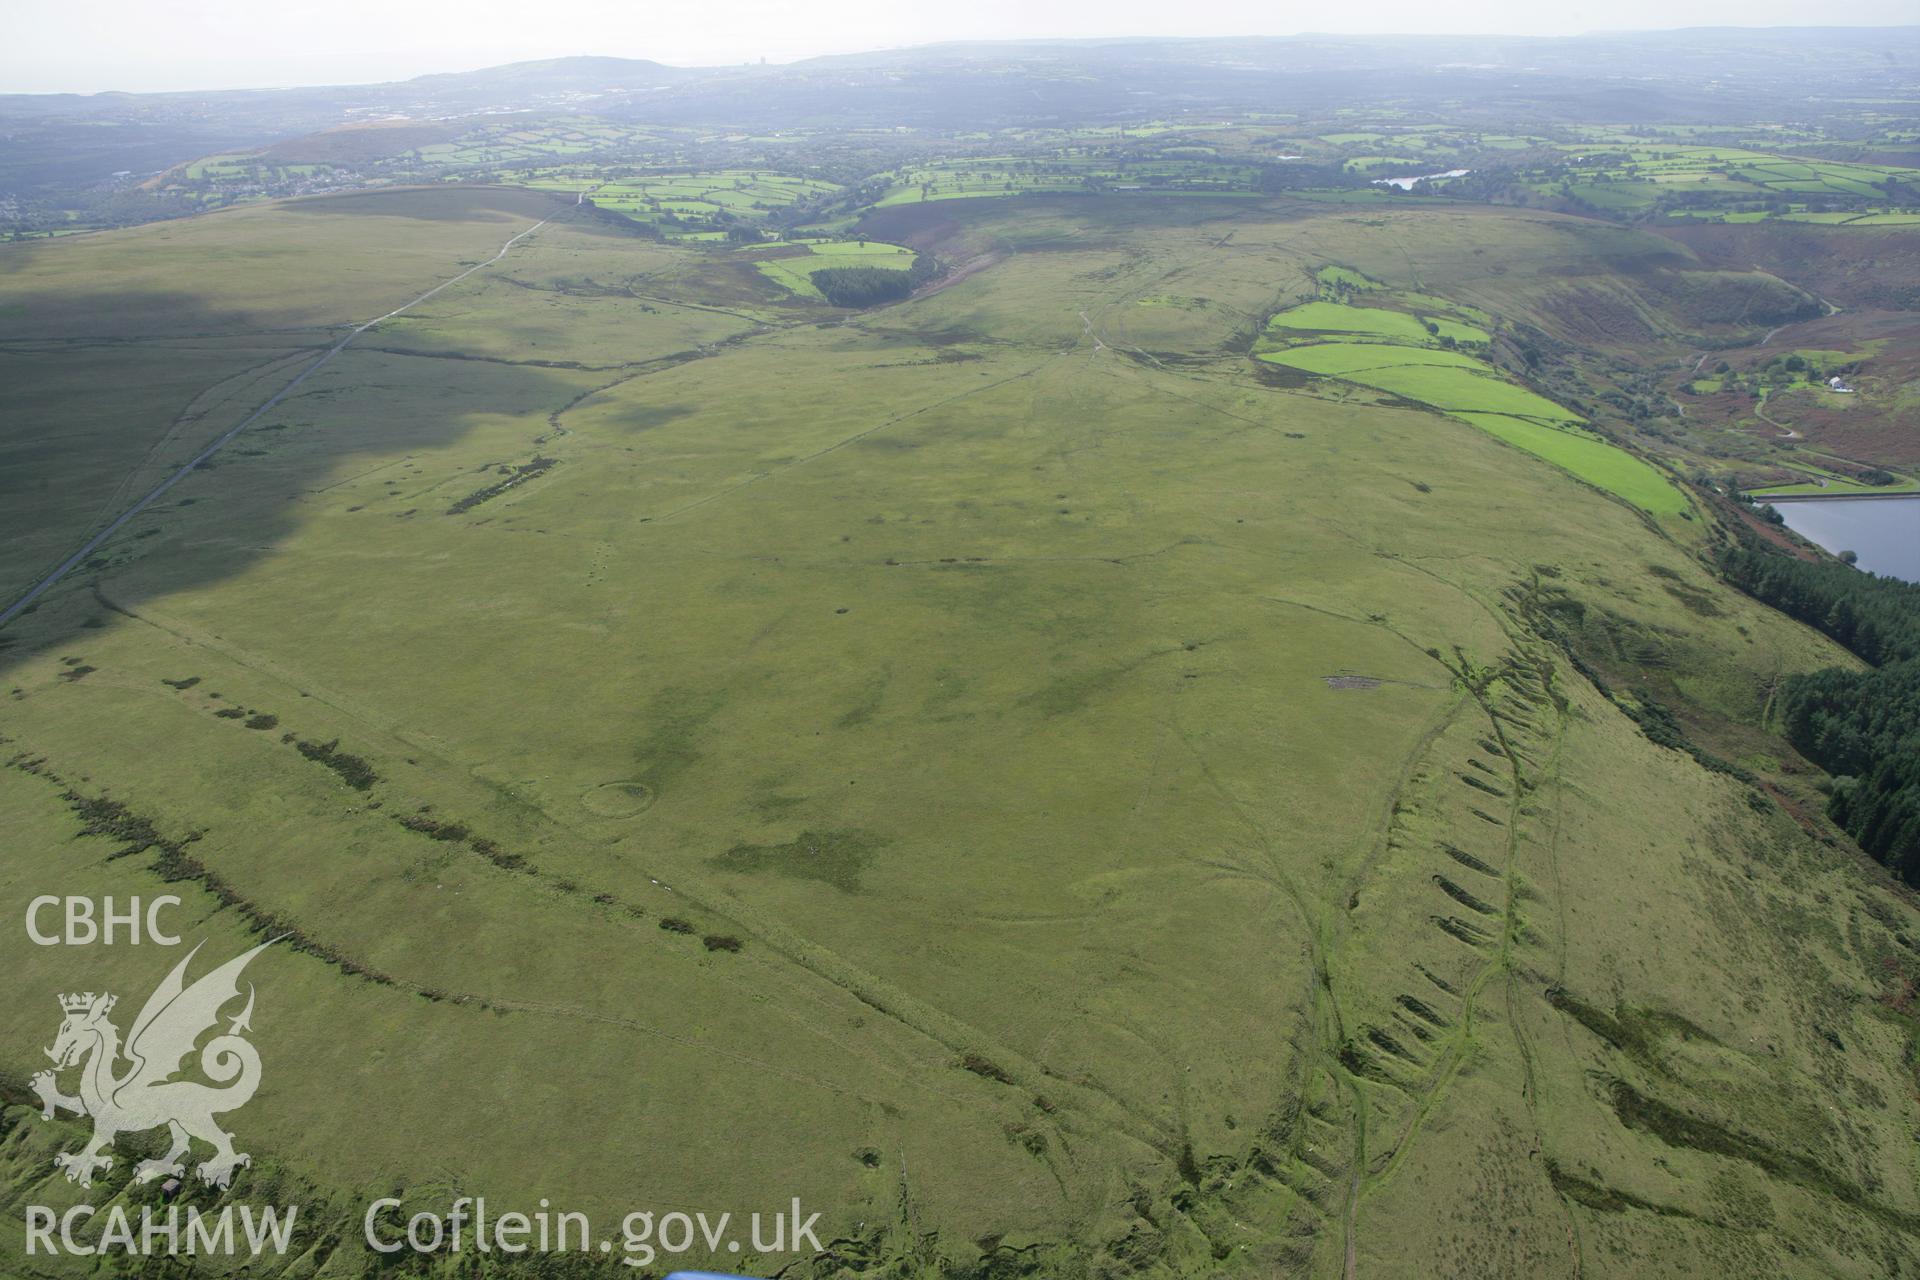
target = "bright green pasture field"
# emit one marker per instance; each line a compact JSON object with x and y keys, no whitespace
{"x":1159,"y":833}
{"x":493,"y":144}
{"x":1462,"y":390}
{"x":1343,"y":358}
{"x":859,"y":249}
{"x":1904,"y":218}
{"x":1730,"y":215}
{"x":1467,"y":388}
{"x":1336,"y":317}
{"x":1833,"y":485}
{"x":1343,"y":276}
{"x":1637,"y":176}
{"x":1588,"y":457}
{"x":1616,"y":197}
{"x":1885,"y":218}
{"x":697,"y":194}
{"x":796,"y":273}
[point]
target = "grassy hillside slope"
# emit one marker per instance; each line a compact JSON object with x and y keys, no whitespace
{"x":1161,"y":823}
{"x":120,"y":362}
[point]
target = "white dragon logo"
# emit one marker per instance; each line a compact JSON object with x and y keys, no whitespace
{"x":145,"y":1096}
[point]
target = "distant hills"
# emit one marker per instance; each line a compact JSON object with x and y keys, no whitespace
{"x":1719,"y":74}
{"x":535,"y":81}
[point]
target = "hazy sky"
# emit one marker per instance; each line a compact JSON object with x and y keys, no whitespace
{"x":89,"y":45}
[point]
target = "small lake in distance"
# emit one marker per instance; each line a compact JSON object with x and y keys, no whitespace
{"x":1883,"y":532}
{"x":1406,"y":184}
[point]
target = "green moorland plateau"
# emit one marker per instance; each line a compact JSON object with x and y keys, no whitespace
{"x":1063,"y":774}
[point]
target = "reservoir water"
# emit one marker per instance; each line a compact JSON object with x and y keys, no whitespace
{"x":1883,"y":532}
{"x":1406,"y":184}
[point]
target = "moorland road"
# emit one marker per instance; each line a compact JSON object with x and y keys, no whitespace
{"x":94,"y":543}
